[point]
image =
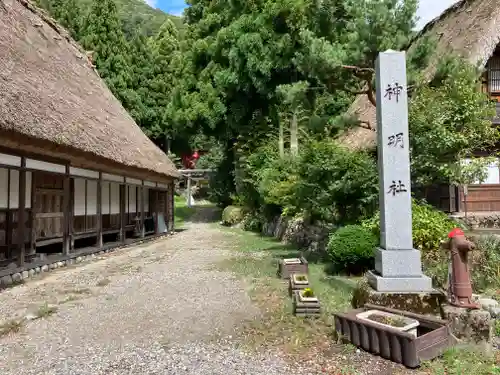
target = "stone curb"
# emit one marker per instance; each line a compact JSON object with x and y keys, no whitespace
{"x":18,"y":278}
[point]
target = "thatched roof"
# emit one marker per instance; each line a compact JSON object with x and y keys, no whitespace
{"x":470,"y":29}
{"x":50,"y":91}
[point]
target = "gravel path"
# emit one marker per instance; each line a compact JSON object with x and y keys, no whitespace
{"x":159,"y":308}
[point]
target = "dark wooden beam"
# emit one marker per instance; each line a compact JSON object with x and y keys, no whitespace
{"x":8,"y":223}
{"x":171,"y":217}
{"x":33,"y":214}
{"x":142,"y":190}
{"x":21,"y":217}
{"x":122,"y":212}
{"x":66,"y":212}
{"x":99,"y":211}
{"x":157,"y":210}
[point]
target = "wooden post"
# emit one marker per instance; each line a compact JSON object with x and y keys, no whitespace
{"x":157,"y":210}
{"x":99,"y":211}
{"x":21,"y":219}
{"x":122,"y":213}
{"x":142,"y":210}
{"x":72,"y":212}
{"x":189,"y":191}
{"x":33,"y":215}
{"x":171,"y":217}
{"x":67,"y":212}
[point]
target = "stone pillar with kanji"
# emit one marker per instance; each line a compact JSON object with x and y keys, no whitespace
{"x":398,"y":265}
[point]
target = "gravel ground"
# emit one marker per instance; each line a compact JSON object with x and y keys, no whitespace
{"x":159,"y":308}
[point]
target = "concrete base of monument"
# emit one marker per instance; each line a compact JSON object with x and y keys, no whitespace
{"x":424,"y":303}
{"x":402,"y":284}
{"x":397,"y":263}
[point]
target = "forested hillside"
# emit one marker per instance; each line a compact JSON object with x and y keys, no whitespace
{"x":135,"y":15}
{"x":135,"y":49}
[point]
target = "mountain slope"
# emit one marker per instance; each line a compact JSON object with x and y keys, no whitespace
{"x":135,"y":15}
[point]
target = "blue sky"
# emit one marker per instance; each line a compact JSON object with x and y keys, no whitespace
{"x":427,"y":11}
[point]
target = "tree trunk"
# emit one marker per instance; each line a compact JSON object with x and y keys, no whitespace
{"x":281,"y":140}
{"x":294,"y":135}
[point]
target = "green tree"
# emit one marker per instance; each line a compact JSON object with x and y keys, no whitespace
{"x":450,"y":120}
{"x":103,"y":36}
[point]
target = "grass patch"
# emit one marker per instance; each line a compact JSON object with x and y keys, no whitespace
{"x":78,"y":291}
{"x":182,"y":212}
{"x":461,"y":361}
{"x":12,"y":326}
{"x":257,"y":262}
{"x":45,"y":311}
{"x":103,"y":282}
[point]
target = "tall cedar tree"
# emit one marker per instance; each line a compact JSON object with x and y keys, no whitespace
{"x":104,"y":36}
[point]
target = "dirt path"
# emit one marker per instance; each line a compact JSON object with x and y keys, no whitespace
{"x":159,"y":308}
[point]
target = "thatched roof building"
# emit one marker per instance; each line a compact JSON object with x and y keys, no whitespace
{"x":53,"y":102}
{"x":470,"y":29}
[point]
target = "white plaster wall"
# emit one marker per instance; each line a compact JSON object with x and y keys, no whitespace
{"x":105,"y":198}
{"x":79,"y":200}
{"x":3,"y":187}
{"x":10,"y":160}
{"x":14,"y":189}
{"x":115,"y":198}
{"x":132,"y":194}
{"x":45,"y":166}
{"x":91,"y":197}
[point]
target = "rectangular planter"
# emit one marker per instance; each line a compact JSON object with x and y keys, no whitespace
{"x":287,"y":268}
{"x":409,"y":327}
{"x":294,"y":284}
{"x":433,"y":336}
{"x":305,"y":306}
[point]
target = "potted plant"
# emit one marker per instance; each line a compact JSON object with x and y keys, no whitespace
{"x":306,"y":303}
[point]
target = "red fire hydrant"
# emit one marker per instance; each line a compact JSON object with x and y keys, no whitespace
{"x":459,"y":285}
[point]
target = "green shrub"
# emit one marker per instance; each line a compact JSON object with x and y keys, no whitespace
{"x":485,"y":267}
{"x":232,"y":215}
{"x":253,"y":222}
{"x":430,"y":226}
{"x":334,"y":184}
{"x":351,"y":249}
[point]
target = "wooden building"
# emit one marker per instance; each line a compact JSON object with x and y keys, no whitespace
{"x":76,"y":172}
{"x":469,"y":29}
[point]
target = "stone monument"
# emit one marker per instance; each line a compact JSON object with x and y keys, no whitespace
{"x":398,"y":265}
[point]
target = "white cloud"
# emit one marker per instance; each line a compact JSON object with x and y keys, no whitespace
{"x":151,"y":3}
{"x":430,"y":9}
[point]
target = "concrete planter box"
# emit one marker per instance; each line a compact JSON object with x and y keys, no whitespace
{"x":295,"y":284}
{"x":410,"y":325}
{"x":303,"y":306}
{"x":287,"y":267}
{"x":432,"y":339}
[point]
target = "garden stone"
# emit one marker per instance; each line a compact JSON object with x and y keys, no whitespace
{"x":495,"y":312}
{"x":38,"y":270}
{"x":79,"y":259}
{"x":31,"y":272}
{"x":60,"y":264}
{"x":17,"y":278}
{"x":45,"y":268}
{"x":487,"y":303}
{"x":472,"y":326}
{"x":25,"y":275}
{"x":53,"y":266}
{"x":7,"y":280}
